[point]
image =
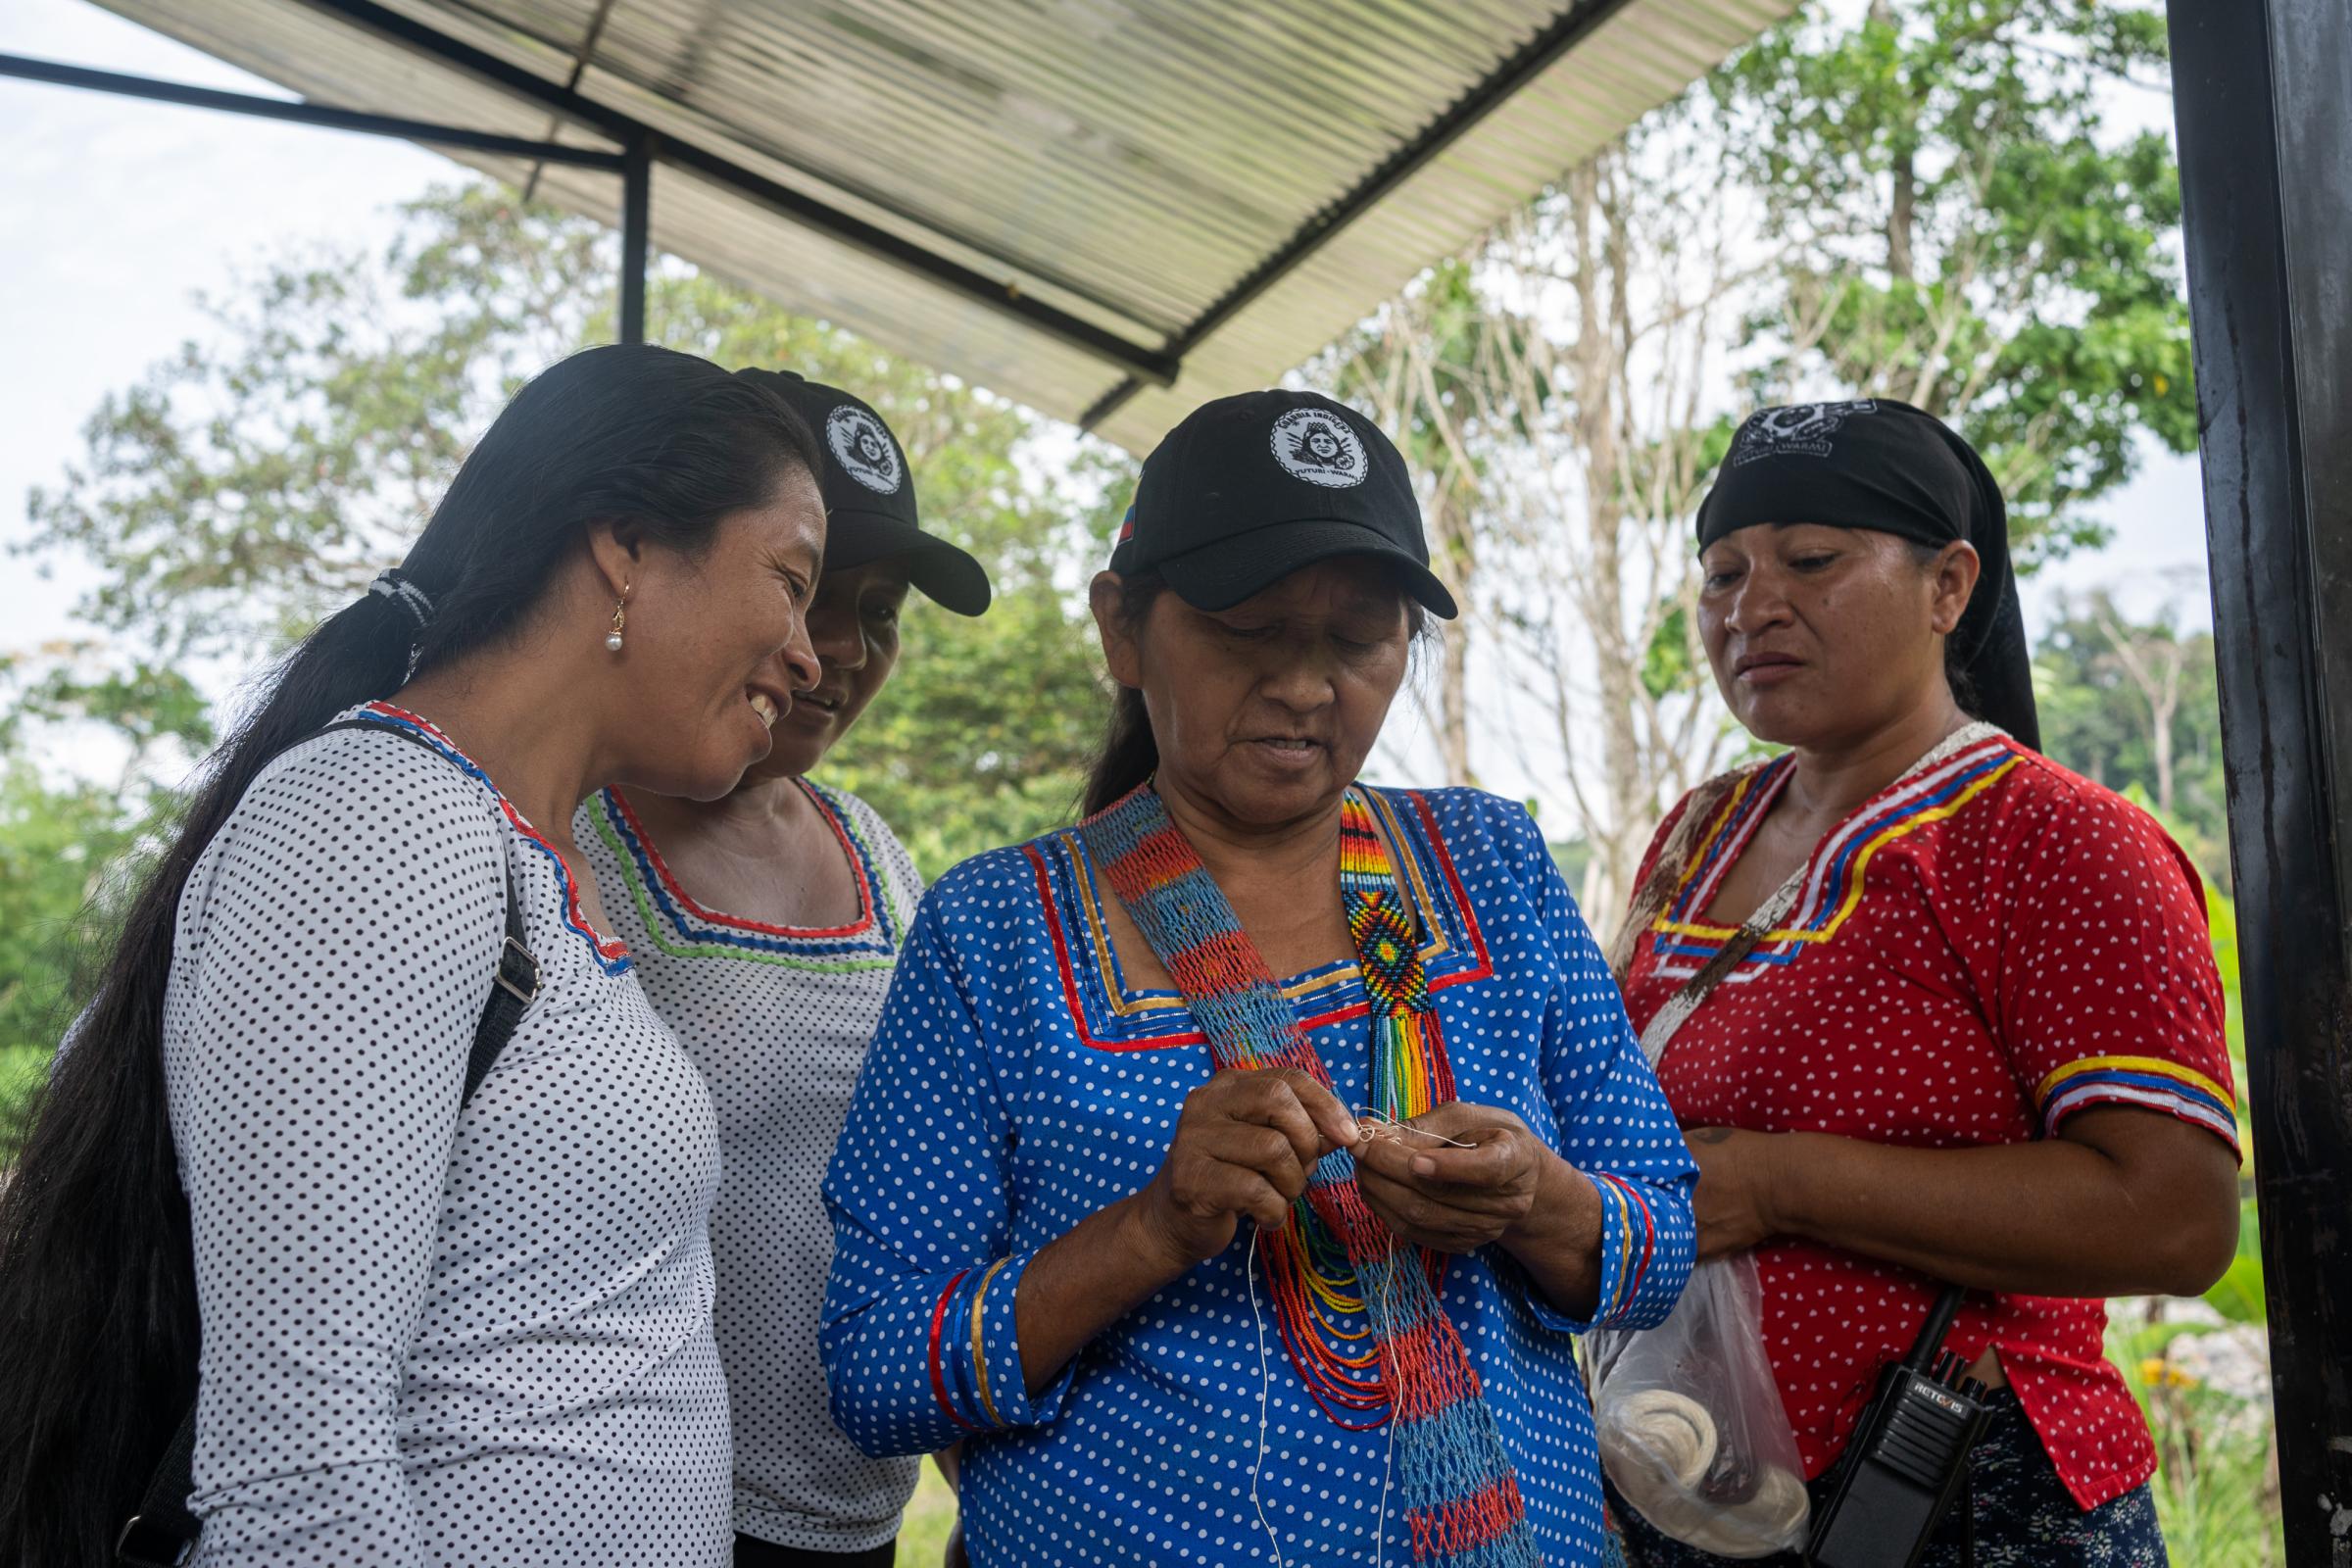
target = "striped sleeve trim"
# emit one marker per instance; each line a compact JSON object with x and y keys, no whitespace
{"x":1633,"y":1262}
{"x":979,"y":1351}
{"x":939,"y":1375}
{"x":2149,"y":1081}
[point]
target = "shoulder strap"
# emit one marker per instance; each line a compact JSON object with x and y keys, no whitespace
{"x":1666,"y":870}
{"x":162,"y":1531}
{"x":1769,"y":913}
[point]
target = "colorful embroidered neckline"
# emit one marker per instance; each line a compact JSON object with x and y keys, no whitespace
{"x":1832,"y":884}
{"x":683,"y":928}
{"x":1109,"y":1016}
{"x":612,"y":955}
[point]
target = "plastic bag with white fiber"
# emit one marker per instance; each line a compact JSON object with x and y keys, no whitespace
{"x":1692,"y":1433}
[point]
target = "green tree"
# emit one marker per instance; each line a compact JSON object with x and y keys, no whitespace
{"x":65,"y":836}
{"x":1927,"y":200}
{"x":250,"y":483}
{"x":1958,"y":223}
{"x":2135,"y":704}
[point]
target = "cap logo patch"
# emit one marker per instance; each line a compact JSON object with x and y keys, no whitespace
{"x":1796,"y":427}
{"x":1320,"y":448}
{"x":862,"y":449}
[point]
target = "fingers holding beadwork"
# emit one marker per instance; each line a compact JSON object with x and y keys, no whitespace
{"x":1243,"y":1148}
{"x":1436,"y":1222}
{"x":1270,"y":1153}
{"x":1335,"y":1126}
{"x":1242,"y":1192}
{"x":1292,"y":1104}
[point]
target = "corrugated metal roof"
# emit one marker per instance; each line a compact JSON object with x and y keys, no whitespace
{"x":1228,"y":186}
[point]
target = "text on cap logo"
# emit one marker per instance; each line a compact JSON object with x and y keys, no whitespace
{"x":1318,"y":447}
{"x":862,"y":448}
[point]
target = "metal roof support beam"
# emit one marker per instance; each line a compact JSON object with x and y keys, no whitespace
{"x":1537,"y":56}
{"x":25,"y":69}
{"x":1002,"y":295}
{"x":2258,"y":94}
{"x":636,"y":211}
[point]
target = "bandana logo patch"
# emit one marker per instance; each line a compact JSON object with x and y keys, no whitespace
{"x":1797,"y":428}
{"x":862,"y":449}
{"x":1320,"y":448}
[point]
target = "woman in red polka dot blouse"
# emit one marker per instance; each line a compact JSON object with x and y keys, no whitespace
{"x":1956,"y":1015}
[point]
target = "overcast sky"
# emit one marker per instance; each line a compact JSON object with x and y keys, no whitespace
{"x":119,"y":211}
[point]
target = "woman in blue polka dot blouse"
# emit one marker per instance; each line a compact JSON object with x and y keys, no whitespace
{"x":1204,"y":1266}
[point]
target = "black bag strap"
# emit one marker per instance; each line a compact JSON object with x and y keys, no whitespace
{"x":163,"y":1531}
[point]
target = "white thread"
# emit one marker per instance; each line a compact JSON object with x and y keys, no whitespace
{"x":1373,"y":1113}
{"x":1264,"y":1384}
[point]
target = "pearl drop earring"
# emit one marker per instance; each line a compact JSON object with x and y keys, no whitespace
{"x":619,"y":619}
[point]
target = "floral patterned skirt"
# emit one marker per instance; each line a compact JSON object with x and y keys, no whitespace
{"x":2016,"y":1508}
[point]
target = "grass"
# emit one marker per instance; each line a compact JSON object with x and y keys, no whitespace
{"x":2216,"y":1484}
{"x":930,"y":1516}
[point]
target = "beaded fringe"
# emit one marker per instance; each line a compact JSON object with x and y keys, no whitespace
{"x":1336,"y":1274}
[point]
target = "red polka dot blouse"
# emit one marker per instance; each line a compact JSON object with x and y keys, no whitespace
{"x":1986,"y":947}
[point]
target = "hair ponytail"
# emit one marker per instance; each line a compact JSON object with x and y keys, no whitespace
{"x":1129,"y":754}
{"x":97,"y":1278}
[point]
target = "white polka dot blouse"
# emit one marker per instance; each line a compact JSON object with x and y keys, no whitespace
{"x":433,"y":1337}
{"x":778,"y":1020}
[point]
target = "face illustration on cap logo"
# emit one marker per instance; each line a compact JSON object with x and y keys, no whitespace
{"x":1320,"y":448}
{"x":862,"y":448}
{"x":1804,"y":427}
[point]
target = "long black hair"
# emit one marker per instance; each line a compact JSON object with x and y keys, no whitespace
{"x":1129,"y":754}
{"x":97,"y":1286}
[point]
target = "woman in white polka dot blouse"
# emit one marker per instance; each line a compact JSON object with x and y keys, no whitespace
{"x":1967,"y":1029}
{"x":765,"y":924}
{"x":1132,"y":1219}
{"x":437,"y":1323}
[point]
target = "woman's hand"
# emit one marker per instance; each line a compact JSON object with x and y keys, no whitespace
{"x":1734,"y":1202}
{"x":1243,"y":1146}
{"x":1446,"y":1198}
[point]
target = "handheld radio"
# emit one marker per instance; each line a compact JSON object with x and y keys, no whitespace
{"x":1908,"y":1457}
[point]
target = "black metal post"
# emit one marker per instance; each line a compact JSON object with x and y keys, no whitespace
{"x":2262,"y":96}
{"x":636,"y":213}
{"x":25,"y":69}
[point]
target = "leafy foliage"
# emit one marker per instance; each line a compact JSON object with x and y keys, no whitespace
{"x":65,"y":840}
{"x":2097,"y":719}
{"x":1959,"y":225}
{"x":251,"y":483}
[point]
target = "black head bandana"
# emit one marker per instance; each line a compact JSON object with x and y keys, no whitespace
{"x":1898,"y":469}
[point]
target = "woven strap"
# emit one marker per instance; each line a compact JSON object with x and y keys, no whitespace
{"x":1461,"y":1500}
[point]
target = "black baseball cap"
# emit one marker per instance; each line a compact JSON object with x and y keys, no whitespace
{"x":1250,"y":488}
{"x":870,"y":495}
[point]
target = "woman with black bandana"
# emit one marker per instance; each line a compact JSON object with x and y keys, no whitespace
{"x":1930,"y":1008}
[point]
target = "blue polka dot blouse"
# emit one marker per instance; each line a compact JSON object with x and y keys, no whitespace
{"x":1018,"y":1085}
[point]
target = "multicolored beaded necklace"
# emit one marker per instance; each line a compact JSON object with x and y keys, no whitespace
{"x":1336,"y":1274}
